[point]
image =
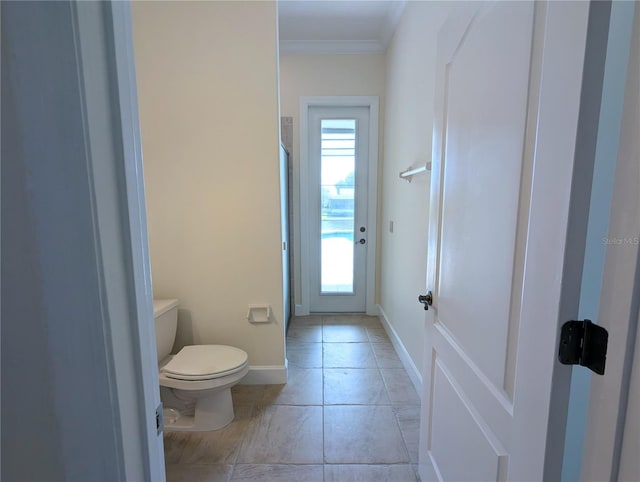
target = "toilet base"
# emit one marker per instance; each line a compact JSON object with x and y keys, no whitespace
{"x":213,"y":411}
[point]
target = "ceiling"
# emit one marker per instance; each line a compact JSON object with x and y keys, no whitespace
{"x":337,"y":26}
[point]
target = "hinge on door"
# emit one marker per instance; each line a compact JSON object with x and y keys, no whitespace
{"x":583,"y":343}
{"x":159,"y":419}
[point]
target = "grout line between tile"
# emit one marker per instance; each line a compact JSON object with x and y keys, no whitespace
{"x":256,"y":407}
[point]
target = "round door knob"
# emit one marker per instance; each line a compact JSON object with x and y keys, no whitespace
{"x":362,"y":241}
{"x":362,"y":229}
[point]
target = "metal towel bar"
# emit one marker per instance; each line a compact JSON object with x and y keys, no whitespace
{"x":409,"y":173}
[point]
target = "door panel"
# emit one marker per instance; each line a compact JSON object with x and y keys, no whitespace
{"x":458,"y":428}
{"x":338,"y":140}
{"x":487,"y":91}
{"x":500,"y":188}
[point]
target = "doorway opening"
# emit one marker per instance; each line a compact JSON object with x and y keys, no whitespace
{"x":338,"y":180}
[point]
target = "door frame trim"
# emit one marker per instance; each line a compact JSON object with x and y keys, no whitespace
{"x":141,"y":363}
{"x":618,"y":305}
{"x":134,"y":208}
{"x":373,"y":103}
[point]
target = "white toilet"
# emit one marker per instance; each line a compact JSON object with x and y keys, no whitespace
{"x":195,"y":384}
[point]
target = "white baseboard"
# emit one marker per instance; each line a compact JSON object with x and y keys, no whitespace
{"x":301,"y":311}
{"x":266,"y":375}
{"x":414,"y":374}
{"x":373,"y":310}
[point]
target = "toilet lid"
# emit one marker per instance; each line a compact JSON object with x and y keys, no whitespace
{"x":204,"y":362}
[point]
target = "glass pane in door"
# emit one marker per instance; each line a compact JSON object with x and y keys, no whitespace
{"x":337,"y":191}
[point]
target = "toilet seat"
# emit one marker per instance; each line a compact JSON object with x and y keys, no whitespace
{"x":205,"y":362}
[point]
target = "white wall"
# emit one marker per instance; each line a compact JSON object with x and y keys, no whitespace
{"x":208,"y":91}
{"x":323,"y":75}
{"x":410,"y":85}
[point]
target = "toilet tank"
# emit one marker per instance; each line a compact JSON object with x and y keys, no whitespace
{"x":165,"y":314}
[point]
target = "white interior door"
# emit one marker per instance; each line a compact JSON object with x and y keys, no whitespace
{"x":507,"y":109}
{"x":338,"y":208}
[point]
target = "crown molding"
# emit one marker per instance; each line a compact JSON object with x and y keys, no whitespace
{"x":328,"y":47}
{"x":395,"y":11}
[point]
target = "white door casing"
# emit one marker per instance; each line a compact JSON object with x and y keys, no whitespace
{"x":612,"y":440}
{"x":614,"y":53}
{"x":134,"y":353}
{"x":306,"y":103}
{"x":629,"y":465}
{"x":508,"y":84}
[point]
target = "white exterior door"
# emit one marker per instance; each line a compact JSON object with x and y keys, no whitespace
{"x":509,"y":76}
{"x":338,"y":208}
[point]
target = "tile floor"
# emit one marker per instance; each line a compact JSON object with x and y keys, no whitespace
{"x":348,"y":413}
